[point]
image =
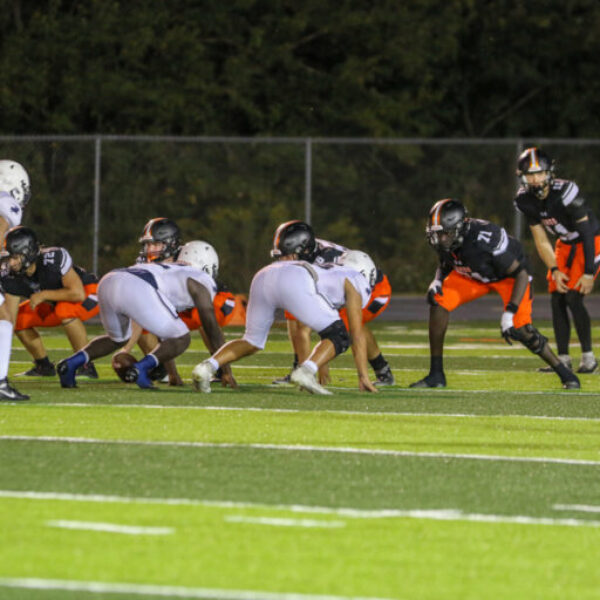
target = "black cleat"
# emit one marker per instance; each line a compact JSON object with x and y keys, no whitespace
{"x":384,"y":377}
{"x":9,"y":393}
{"x":87,"y":371}
{"x":433,"y":380}
{"x":572,"y":384}
{"x":158,"y":373}
{"x":47,"y":370}
{"x":587,"y":369}
{"x":283,"y":380}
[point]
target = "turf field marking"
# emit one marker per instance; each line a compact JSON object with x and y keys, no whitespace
{"x":446,"y":514}
{"x":283,"y":522}
{"x":99,"y":587}
{"x":110,"y":527}
{"x":326,"y":411}
{"x":578,"y":507}
{"x":302,"y":448}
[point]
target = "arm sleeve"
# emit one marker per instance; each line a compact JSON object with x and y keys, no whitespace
{"x":584,"y":229}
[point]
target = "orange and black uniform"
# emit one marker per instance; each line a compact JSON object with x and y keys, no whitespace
{"x":577,"y":249}
{"x":479,"y":266}
{"x":224,"y":305}
{"x":51,"y":265}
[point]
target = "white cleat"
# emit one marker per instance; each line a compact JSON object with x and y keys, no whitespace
{"x":201,"y":376}
{"x":308,"y":380}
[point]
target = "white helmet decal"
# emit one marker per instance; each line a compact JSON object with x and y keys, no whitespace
{"x":15,"y":181}
{"x":201,"y":255}
{"x":361,"y":262}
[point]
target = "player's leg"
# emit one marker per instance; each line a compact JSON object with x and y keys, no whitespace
{"x":7,"y":392}
{"x":456,"y":290}
{"x":260,"y":315}
{"x":583,"y":327}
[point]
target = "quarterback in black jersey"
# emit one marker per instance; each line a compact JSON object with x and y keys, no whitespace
{"x":477,"y":257}
{"x":58,"y":292}
{"x":555,"y":206}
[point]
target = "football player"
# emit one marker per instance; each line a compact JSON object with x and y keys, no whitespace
{"x":476,"y":257}
{"x":58,"y":292}
{"x":161,"y":242}
{"x":556,"y":206}
{"x":299,"y":334}
{"x":311,"y":292}
{"x":151,"y":294}
{"x":15,"y":192}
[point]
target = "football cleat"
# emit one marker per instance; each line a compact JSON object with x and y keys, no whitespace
{"x":587,"y":367}
{"x":47,"y":370}
{"x":201,"y":376}
{"x":66,"y":370}
{"x":433,"y":380}
{"x":137,"y":374}
{"x":384,"y":377}
{"x":308,"y":380}
{"x":9,"y":393}
{"x":158,"y":373}
{"x":88,"y":371}
{"x":285,"y":380}
{"x":572,"y":384}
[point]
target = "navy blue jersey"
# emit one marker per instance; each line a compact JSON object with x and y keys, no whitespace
{"x":486,"y":253}
{"x":559,"y":211}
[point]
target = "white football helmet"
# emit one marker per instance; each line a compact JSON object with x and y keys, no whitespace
{"x":361,"y":262}
{"x":15,"y":181}
{"x":201,"y":255}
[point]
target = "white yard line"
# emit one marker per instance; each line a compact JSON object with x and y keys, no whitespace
{"x":578,"y":507}
{"x":275,"y":522}
{"x":99,"y":587}
{"x":110,"y":527}
{"x":445,"y":514}
{"x":326,"y":411}
{"x":303,"y":448}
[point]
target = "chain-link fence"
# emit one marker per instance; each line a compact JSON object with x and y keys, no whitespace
{"x":93,"y":194}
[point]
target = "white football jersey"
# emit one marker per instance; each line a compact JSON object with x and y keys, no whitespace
{"x":172,"y":278}
{"x":10,"y":209}
{"x":330,"y":283}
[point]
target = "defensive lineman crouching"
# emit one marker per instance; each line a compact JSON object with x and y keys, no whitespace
{"x":312,"y":293}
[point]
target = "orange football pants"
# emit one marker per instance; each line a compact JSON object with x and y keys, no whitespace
{"x":53,"y":315}
{"x":458,"y":290}
{"x":570,"y":260}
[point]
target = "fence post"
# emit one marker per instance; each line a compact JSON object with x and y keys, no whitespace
{"x":308,"y":180}
{"x":96,"y":236}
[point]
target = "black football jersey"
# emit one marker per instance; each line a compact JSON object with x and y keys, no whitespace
{"x":486,"y":253}
{"x":558,"y":212}
{"x":51,"y":265}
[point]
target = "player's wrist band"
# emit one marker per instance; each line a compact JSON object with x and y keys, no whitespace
{"x":554,"y":268}
{"x":511,"y":307}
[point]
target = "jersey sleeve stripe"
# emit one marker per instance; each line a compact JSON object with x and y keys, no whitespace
{"x":502,"y":244}
{"x":570,"y":193}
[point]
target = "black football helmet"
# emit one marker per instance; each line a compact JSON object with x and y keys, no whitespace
{"x":295,"y":237}
{"x":160,"y":230}
{"x":22,"y":241}
{"x":447,"y":225}
{"x":535,"y":160}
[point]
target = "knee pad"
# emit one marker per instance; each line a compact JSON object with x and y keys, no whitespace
{"x":337,"y":334}
{"x":533,"y":340}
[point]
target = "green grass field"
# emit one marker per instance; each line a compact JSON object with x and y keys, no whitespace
{"x":489,"y":488}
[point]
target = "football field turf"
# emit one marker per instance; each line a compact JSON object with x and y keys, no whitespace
{"x":489,"y":488}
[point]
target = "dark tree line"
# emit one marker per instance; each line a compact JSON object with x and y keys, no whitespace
{"x":437,"y":68}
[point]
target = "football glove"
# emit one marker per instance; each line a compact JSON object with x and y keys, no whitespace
{"x":507,"y":327}
{"x":435,"y":287}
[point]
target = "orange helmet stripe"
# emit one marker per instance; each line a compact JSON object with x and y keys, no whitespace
{"x":279,"y":230}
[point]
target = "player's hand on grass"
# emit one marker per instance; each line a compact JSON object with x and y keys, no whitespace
{"x":365,"y":385}
{"x":227,"y":379}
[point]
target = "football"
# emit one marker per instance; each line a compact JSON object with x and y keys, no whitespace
{"x":121,"y":362}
